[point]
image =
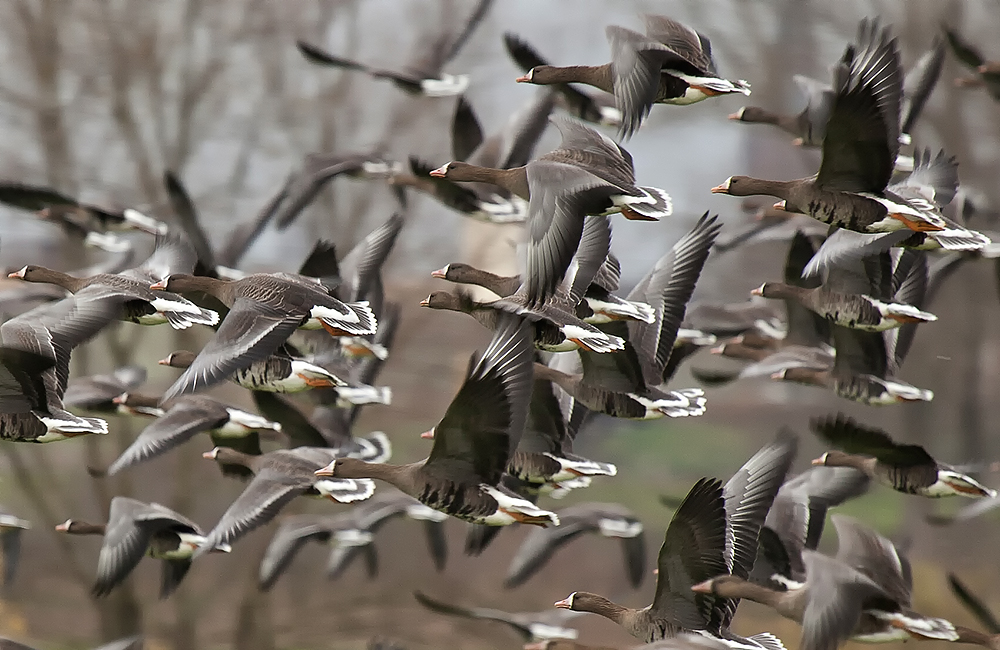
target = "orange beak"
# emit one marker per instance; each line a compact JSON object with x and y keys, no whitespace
{"x":818,"y":461}
{"x":326,"y":471}
{"x":720,"y":189}
{"x":425,"y":303}
{"x":164,"y":362}
{"x":523,"y":79}
{"x":210,"y":455}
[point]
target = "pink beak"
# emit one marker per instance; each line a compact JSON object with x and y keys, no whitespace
{"x":720,"y":189}
{"x":164,"y":362}
{"x":780,"y":205}
{"x":159,"y":286}
{"x":756,"y":292}
{"x":428,"y":434}
{"x":425,"y":303}
{"x":326,"y":471}
{"x":210,"y":455}
{"x":563,"y":604}
{"x":440,"y":172}
{"x":440,"y":273}
{"x":63,"y":527}
{"x":703,"y":587}
{"x":818,"y":461}
{"x":523,"y":79}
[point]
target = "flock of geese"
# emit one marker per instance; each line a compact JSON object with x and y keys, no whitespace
{"x":566,"y":347}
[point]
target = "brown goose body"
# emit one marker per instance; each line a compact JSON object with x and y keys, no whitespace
{"x":852,"y":310}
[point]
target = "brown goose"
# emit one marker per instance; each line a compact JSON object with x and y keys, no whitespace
{"x":670,"y":64}
{"x":589,"y":107}
{"x":279,"y":373}
{"x":97,"y":393}
{"x":589,"y":174}
{"x":904,"y":468}
{"x":278,"y":477}
{"x":863,"y":594}
{"x":424,"y":76}
{"x":350,"y":533}
{"x":76,"y":217}
{"x":180,"y":420}
{"x":859,"y":152}
{"x":35,"y":357}
{"x":264,"y":310}
{"x":130,"y":288}
{"x":986,"y":73}
{"x":629,"y":384}
{"x":714,"y":531}
{"x":610,"y":520}
{"x":135,"y":528}
{"x":512,"y":147}
{"x":473,"y":442}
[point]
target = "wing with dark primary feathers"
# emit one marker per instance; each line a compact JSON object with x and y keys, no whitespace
{"x":484,"y":422}
{"x":292,"y":535}
{"x":974,"y":604}
{"x":919,"y":82}
{"x":539,"y":547}
{"x":862,"y":136}
{"x":963,"y":50}
{"x":32,"y":197}
{"x":360,"y":268}
{"x":693,"y":551}
{"x":846,"y":434}
{"x":472,"y":612}
{"x":300,"y":431}
{"x":466,"y":131}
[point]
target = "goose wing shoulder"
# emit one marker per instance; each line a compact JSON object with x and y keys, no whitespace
{"x":125,"y":543}
{"x":854,"y":438}
{"x":484,"y":422}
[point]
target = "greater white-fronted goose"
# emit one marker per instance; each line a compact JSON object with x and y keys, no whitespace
{"x":904,"y":468}
{"x":96,"y":393}
{"x":278,"y":373}
{"x":607,"y":519}
{"x":130,"y":288}
{"x":11,"y":528}
{"x":530,"y":626}
{"x":556,"y":327}
{"x":986,"y":74}
{"x":183,"y":418}
{"x":629,"y":383}
{"x":327,"y":427}
{"x":670,"y":64}
{"x":735,"y":318}
{"x":863,"y":594}
{"x":512,"y":147}
{"x":35,"y":369}
{"x":425,"y":75}
{"x":589,"y":174}
{"x":589,"y":107}
{"x":318,"y":169}
{"x":349,"y":534}
{"x":859,"y":152}
{"x":278,"y":477}
{"x":809,"y":126}
{"x":264,"y":310}
{"x":134,"y":529}
{"x":76,"y":217}
{"x":713,"y":532}
{"x":796,"y":519}
{"x":473,"y":442}
{"x":544,"y":458}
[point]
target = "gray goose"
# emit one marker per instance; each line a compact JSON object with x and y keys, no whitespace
{"x":349,"y":534}
{"x":278,"y":477}
{"x":179,"y":420}
{"x":530,"y":626}
{"x":859,"y":152}
{"x":589,"y":107}
{"x":670,"y":64}
{"x":74,"y":216}
{"x":327,"y":427}
{"x":424,"y":76}
{"x":35,"y":365}
{"x":264,"y":310}
{"x":589,"y":174}
{"x":97,"y":393}
{"x":130,"y":288}
{"x":795,"y":522}
{"x":904,"y":468}
{"x":863,"y":594}
{"x":511,"y":147}
{"x":473,"y":441}
{"x":279,"y":373}
{"x":134,"y":529}
{"x":610,"y":520}
{"x":713,"y":532}
{"x":809,"y":126}
{"x":628,"y":384}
